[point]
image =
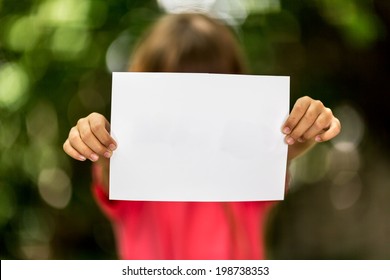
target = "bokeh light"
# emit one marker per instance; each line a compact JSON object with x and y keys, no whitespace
{"x":23,"y":34}
{"x":55,"y":187}
{"x":353,"y":128}
{"x":14,"y":84}
{"x":118,"y":53}
{"x":71,"y":13}
{"x":346,"y":189}
{"x":42,"y":124}
{"x":69,"y":43}
{"x":232,"y":12}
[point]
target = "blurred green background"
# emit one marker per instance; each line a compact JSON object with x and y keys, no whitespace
{"x":56,"y":59}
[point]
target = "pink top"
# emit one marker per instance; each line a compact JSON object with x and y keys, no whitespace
{"x":186,"y":230}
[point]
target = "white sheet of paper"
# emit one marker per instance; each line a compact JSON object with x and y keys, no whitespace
{"x":198,"y":137}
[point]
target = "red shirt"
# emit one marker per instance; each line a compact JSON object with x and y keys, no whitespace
{"x":186,"y":230}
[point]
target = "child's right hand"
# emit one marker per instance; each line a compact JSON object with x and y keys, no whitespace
{"x":90,"y":139}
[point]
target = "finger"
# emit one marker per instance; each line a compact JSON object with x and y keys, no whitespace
{"x":80,"y":146}
{"x":332,"y":132}
{"x":321,"y":124}
{"x":100,"y":127}
{"x":298,"y":111}
{"x":72,"y":152}
{"x":307,"y":121}
{"x":90,"y":140}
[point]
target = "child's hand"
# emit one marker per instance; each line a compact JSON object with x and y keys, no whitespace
{"x":90,"y":139}
{"x":310,"y":120}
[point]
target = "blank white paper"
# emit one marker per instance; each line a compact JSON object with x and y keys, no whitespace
{"x":198,"y":137}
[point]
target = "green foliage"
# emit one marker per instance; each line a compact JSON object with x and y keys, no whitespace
{"x":52,"y":72}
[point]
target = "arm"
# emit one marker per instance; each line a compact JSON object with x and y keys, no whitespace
{"x":90,"y":139}
{"x":309,"y":122}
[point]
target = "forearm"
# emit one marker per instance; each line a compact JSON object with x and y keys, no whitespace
{"x":299,"y":148}
{"x":101,"y":173}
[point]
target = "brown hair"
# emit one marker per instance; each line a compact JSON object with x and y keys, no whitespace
{"x":188,"y":43}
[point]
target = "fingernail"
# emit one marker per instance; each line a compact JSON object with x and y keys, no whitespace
{"x":290,"y":140}
{"x":107,"y":154}
{"x":301,"y":140}
{"x":94,"y":157}
{"x":82,"y":158}
{"x":318,"y":138}
{"x":286,"y":130}
{"x":112,"y":147}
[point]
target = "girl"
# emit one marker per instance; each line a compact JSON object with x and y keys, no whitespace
{"x":190,"y":230}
